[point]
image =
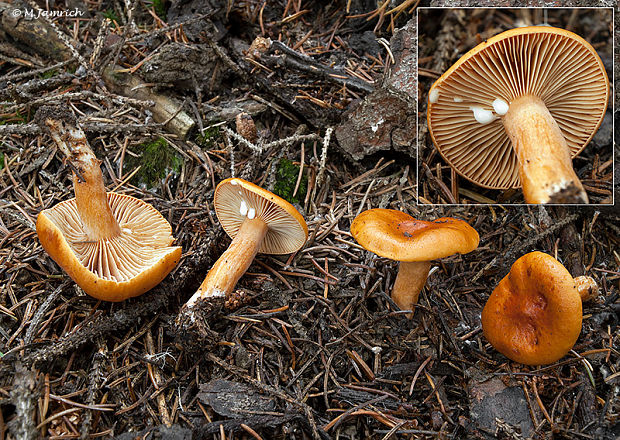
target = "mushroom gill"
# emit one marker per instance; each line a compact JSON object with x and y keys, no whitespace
{"x":280,"y":238}
{"x":553,"y":65}
{"x":144,"y":239}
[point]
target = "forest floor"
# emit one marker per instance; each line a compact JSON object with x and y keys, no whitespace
{"x":317,"y":349}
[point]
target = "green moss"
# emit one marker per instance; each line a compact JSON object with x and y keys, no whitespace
{"x":111,"y":15}
{"x":156,"y":160}
{"x":286,"y":178}
{"x":160,"y":9}
{"x":49,"y":74}
{"x":1,"y":160}
{"x":16,"y":118}
{"x":208,"y":137}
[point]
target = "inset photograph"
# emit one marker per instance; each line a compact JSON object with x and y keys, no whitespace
{"x":515,"y":106}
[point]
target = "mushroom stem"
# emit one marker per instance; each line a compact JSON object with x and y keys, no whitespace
{"x":587,"y":287}
{"x":545,"y":165}
{"x":409,"y":282}
{"x":92,"y":203}
{"x":90,"y":194}
{"x":223,"y":276}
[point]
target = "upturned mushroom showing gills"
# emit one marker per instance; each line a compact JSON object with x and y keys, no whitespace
{"x":398,"y":236}
{"x":112,"y":245}
{"x":258,"y":221}
{"x":517,"y":108}
{"x":534,"y":314}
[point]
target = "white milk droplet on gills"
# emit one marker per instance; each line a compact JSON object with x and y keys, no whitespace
{"x":433,"y":96}
{"x":500,"y":106}
{"x":457,"y":99}
{"x":233,"y":182}
{"x":251,"y":213}
{"x":243,"y":209}
{"x":482,"y":116}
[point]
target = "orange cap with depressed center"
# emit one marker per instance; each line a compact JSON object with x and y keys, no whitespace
{"x":534,"y":314}
{"x":398,"y":236}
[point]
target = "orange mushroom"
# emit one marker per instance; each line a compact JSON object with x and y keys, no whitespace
{"x":587,"y":287}
{"x":258,"y":221}
{"x":112,"y":245}
{"x":398,"y":236}
{"x":534,"y":314}
{"x":514,"y":110}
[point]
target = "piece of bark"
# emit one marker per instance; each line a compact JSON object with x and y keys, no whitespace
{"x":24,"y":396}
{"x":185,"y":67}
{"x":381,"y":122}
{"x":491,"y":400}
{"x":587,"y":411}
{"x":166,"y":110}
{"x":386,"y":119}
{"x":234,"y":399}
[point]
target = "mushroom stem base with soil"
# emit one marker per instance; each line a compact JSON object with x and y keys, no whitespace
{"x":223,"y":276}
{"x":545,"y":166}
{"x":408,"y":284}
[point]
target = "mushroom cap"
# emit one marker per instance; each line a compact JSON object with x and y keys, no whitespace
{"x":398,"y":236}
{"x":556,"y":65}
{"x":237,"y":199}
{"x":111,"y":269}
{"x":534,"y":314}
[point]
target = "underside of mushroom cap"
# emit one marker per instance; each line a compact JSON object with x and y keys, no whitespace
{"x":534,"y":314}
{"x":116,"y":268}
{"x":398,"y":236}
{"x":237,"y":199}
{"x":467,"y":103}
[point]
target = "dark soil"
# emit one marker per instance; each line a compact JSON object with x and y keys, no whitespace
{"x":315,"y":348}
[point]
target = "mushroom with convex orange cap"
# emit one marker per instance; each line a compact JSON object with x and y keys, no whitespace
{"x":534,"y":314}
{"x":398,"y":236}
{"x":514,"y":110}
{"x":113,"y":246}
{"x":258,"y":221}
